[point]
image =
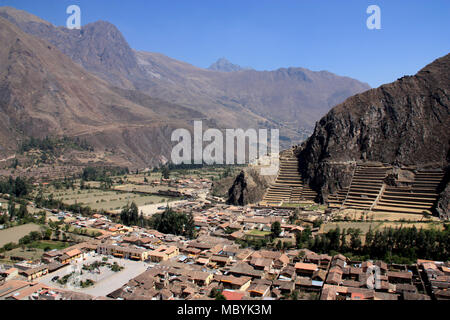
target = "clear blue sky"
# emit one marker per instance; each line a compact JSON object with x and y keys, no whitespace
{"x":269,"y":34}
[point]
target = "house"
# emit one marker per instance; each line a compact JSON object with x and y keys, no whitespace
{"x":202,"y":261}
{"x":305,"y":269}
{"x":8,"y":273}
{"x":233,"y":295}
{"x":234,"y":283}
{"x":123,"y":252}
{"x":10,"y":287}
{"x":285,"y":287}
{"x":259,"y":289}
{"x":69,"y":256}
{"x":27,"y":292}
{"x":34,"y":272}
{"x":200,"y":278}
{"x":288,"y":273}
{"x":262,"y":264}
{"x":221,"y":261}
{"x":334,"y":277}
{"x":399,"y":276}
{"x":244,"y":269}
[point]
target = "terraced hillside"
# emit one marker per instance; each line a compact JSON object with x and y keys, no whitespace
{"x":369,"y":191}
{"x":289,"y":186}
{"x":419,"y":197}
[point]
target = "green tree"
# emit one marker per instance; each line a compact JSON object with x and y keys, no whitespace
{"x":11,"y":209}
{"x":275,"y":229}
{"x":22,"y":212}
{"x":165,"y":172}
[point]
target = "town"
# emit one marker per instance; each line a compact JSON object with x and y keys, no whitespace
{"x":221,"y":252}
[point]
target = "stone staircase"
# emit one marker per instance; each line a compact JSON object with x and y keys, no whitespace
{"x":365,"y":188}
{"x":288,"y":187}
{"x":368,"y":191}
{"x":418,"y":198}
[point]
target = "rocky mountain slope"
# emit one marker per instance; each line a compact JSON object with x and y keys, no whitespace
{"x":225,"y":66}
{"x":289,"y":99}
{"x":402,"y":123}
{"x":43,"y":92}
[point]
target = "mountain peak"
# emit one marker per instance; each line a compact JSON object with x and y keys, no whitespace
{"x":225,"y":65}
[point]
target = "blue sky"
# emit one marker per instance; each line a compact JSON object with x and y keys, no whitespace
{"x":270,"y":34}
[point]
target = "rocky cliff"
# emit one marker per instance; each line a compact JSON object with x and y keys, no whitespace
{"x":402,"y":123}
{"x":248,"y":187}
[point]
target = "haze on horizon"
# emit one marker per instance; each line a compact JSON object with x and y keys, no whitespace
{"x":267,"y":35}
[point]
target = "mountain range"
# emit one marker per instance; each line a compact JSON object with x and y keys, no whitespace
{"x":91,"y":83}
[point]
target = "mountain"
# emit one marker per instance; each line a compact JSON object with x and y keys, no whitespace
{"x":44,"y":93}
{"x":289,"y":99}
{"x":402,"y":123}
{"x":224,"y":65}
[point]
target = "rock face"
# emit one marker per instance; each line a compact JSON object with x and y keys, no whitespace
{"x":402,"y":123}
{"x":443,"y":205}
{"x":248,"y":187}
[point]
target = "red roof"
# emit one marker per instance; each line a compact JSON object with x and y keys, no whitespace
{"x":232,"y":295}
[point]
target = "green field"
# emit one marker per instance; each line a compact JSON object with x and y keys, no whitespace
{"x":258,"y":233}
{"x":48,"y":244}
{"x":15,"y":233}
{"x":105,"y":200}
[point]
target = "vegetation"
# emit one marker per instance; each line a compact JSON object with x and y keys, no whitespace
{"x":173,"y":222}
{"x":65,"y":279}
{"x":216,"y":294}
{"x":102,"y":174}
{"x":87,"y":283}
{"x":275,"y":229}
{"x":51,"y":203}
{"x":18,"y":187}
{"x":130,"y":216}
{"x":397,"y":245}
{"x":52,"y":144}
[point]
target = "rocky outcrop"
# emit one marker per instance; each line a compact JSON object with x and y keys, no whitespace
{"x":442,"y":207}
{"x":248,"y":187}
{"x":402,"y":123}
{"x":224,"y":65}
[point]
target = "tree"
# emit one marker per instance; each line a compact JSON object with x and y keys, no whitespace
{"x":165,"y":172}
{"x":124,"y":215}
{"x":22,"y":212}
{"x":275,"y":229}
{"x":317,"y":223}
{"x":190,"y":226}
{"x":130,"y":215}
{"x":134,"y":214}
{"x":355,"y":240}
{"x":11,"y":208}
{"x":294,"y":216}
